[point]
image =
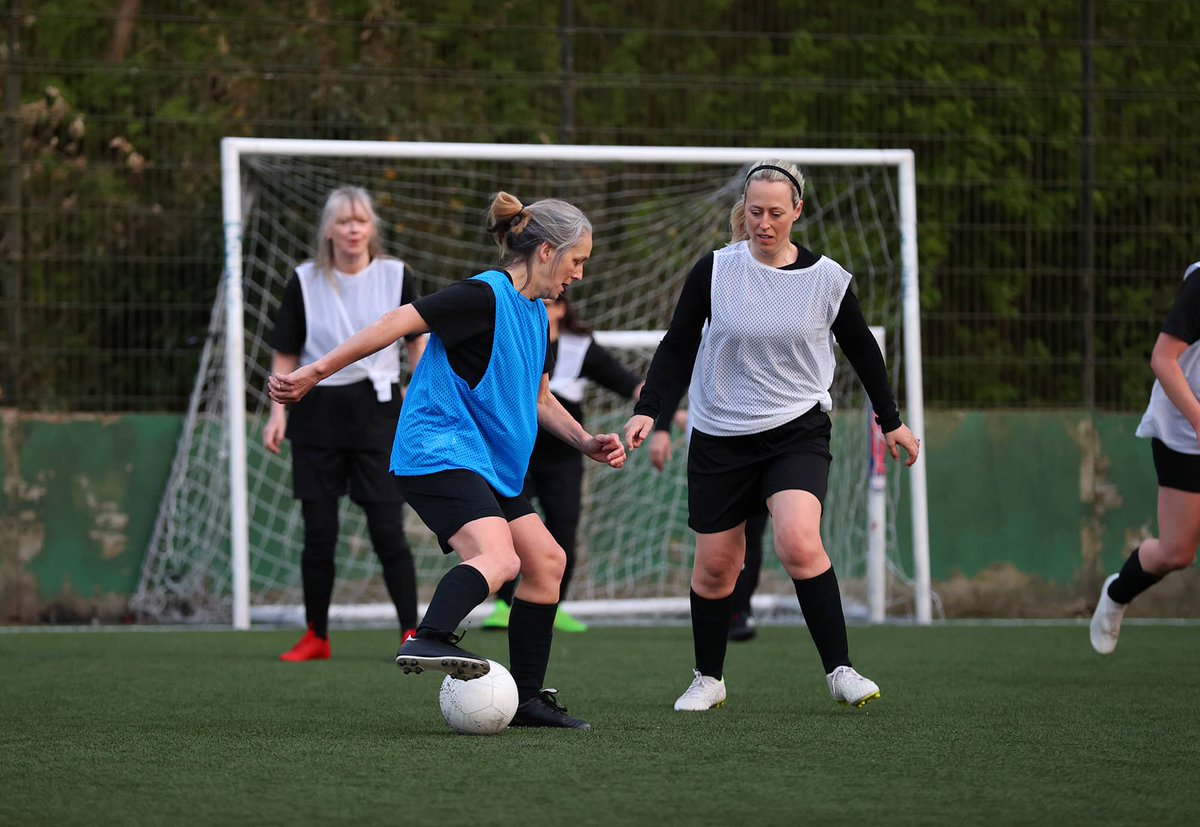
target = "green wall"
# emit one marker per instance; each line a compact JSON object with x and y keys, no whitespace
{"x":1050,"y":493}
{"x":1059,"y":496}
{"x":80,"y":495}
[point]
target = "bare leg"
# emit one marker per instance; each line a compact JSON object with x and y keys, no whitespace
{"x":1178,"y":533}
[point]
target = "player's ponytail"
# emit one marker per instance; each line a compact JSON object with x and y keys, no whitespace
{"x":505,"y":215}
{"x":519,"y":230}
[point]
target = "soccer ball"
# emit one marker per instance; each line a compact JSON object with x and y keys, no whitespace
{"x":483,"y":706}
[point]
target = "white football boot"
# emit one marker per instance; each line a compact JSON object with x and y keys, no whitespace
{"x":848,"y":687}
{"x":1106,"y":620}
{"x":704,"y":693}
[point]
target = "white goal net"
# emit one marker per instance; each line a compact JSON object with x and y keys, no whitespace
{"x":226,"y":546}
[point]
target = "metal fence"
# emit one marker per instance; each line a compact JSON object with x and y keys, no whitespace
{"x":1055,"y":146}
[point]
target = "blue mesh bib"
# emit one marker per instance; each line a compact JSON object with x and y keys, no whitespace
{"x":489,"y":429}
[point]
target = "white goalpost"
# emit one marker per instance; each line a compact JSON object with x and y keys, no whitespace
{"x":225,"y":547}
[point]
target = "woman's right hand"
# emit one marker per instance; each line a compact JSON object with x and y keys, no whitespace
{"x":637,"y":429}
{"x":274,"y":430}
{"x":660,"y":449}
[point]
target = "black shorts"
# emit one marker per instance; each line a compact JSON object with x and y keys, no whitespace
{"x":1174,"y":469}
{"x":729,"y":477}
{"x":448,"y":500}
{"x":320,"y":473}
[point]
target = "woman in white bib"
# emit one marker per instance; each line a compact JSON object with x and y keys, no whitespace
{"x":341,"y":433}
{"x":1172,"y":424}
{"x":753,"y":332}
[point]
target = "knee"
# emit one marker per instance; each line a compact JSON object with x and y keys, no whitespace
{"x":547,"y":567}
{"x":512,"y":567}
{"x":800,"y":546}
{"x":1175,"y":554}
{"x":714,"y":575}
{"x":389,"y":541}
{"x":317,"y":553}
{"x":508,"y":565}
{"x":320,"y":525}
{"x":320,"y":540}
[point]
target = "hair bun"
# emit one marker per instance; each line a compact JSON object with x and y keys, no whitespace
{"x":520,"y":221}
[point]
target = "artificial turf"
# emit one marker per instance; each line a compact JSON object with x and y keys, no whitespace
{"x":977,"y":725}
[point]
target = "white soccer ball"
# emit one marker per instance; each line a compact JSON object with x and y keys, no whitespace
{"x":484,"y":706}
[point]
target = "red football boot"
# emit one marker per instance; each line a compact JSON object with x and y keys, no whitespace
{"x":310,"y":647}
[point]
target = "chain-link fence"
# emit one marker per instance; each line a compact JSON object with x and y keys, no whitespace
{"x":1054,"y":139}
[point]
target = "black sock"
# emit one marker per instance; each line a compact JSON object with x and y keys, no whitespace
{"x":507,"y":591}
{"x":710,"y":633}
{"x":1132,"y":580}
{"x":530,"y":633}
{"x":821,"y":602}
{"x":461,"y":589}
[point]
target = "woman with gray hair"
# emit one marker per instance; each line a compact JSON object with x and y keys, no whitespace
{"x":754,"y":330}
{"x":338,"y":434}
{"x":466,"y":433}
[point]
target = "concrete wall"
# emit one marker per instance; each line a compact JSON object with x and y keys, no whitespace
{"x":1027,"y":510}
{"x":79,"y":498}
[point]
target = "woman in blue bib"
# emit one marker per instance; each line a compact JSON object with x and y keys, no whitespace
{"x":466,"y":433}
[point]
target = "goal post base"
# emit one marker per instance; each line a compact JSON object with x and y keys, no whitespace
{"x":780,"y":609}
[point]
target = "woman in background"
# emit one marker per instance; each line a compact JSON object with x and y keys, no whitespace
{"x":555,"y":475}
{"x":339,"y":433}
{"x":1172,"y":424}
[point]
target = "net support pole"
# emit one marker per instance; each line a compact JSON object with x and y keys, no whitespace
{"x":914,"y":394}
{"x":876,"y":507}
{"x":235,"y":381}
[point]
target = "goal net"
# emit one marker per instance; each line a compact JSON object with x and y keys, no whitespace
{"x":226,"y":545}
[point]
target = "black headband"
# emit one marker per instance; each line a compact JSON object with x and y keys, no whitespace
{"x":790,"y":177}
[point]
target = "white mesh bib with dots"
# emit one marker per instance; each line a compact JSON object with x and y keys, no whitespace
{"x":767,"y":352}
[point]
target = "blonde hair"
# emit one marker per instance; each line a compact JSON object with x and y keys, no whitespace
{"x":763,"y":171}
{"x":519,"y":230}
{"x":339,"y":199}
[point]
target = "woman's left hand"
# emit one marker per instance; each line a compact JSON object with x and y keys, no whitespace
{"x":637,"y":429}
{"x":606,"y":448}
{"x":291,"y":387}
{"x":903,"y":438}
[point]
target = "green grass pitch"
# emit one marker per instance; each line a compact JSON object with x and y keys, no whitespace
{"x":977,"y":725}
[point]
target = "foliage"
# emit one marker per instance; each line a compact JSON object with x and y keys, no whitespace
{"x":120,"y":190}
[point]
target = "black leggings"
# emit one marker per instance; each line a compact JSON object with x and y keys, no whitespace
{"x":747,"y":580}
{"x":557,"y":483}
{"x":385,"y":523}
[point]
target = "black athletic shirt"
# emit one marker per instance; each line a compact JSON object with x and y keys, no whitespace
{"x":1183,"y":321}
{"x":463,"y":316}
{"x":601,"y":367}
{"x":671,"y":370}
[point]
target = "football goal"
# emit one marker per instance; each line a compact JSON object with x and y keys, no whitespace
{"x":226,"y":544}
